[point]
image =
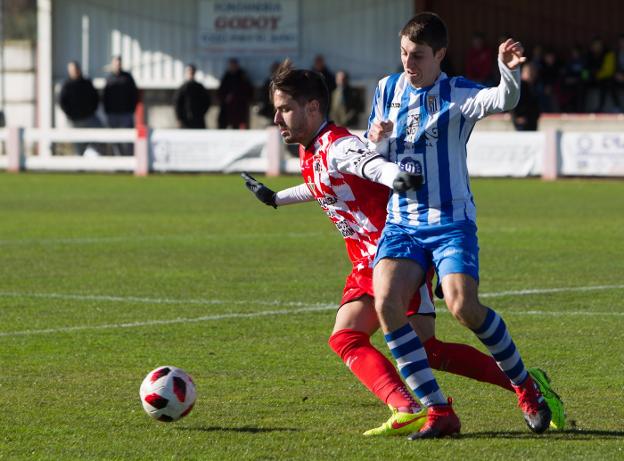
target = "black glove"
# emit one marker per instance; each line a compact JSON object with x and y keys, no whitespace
{"x":262,"y":192}
{"x":405,"y":181}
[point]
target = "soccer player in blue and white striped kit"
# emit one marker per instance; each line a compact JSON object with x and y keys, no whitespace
{"x":421,"y":119}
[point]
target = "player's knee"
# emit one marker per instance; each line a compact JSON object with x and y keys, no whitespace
{"x":466,"y":310}
{"x":384,"y":305}
{"x":344,"y":341}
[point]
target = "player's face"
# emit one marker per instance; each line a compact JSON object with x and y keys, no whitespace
{"x":290,"y":118}
{"x":420,"y":63}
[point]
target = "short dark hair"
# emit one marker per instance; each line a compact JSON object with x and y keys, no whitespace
{"x":301,"y":85}
{"x":426,"y":29}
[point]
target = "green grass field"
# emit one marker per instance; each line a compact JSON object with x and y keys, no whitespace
{"x":105,"y":277}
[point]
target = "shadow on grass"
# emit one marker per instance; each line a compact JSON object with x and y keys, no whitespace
{"x":570,"y":434}
{"x":248,"y":429}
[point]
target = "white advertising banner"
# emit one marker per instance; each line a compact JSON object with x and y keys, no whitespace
{"x":249,"y":27}
{"x":209,"y":150}
{"x":592,"y":154}
{"x":506,"y":153}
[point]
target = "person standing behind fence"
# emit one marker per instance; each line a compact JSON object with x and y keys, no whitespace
{"x":191,"y":101}
{"x":120,"y":99}
{"x":235,"y":95}
{"x":79,"y":100}
{"x":345,"y":103}
{"x":525,"y":115}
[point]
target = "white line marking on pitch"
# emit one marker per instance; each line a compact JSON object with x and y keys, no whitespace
{"x":305,"y":308}
{"x":148,"y":300}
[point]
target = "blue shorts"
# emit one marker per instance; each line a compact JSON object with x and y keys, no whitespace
{"x":450,"y":248}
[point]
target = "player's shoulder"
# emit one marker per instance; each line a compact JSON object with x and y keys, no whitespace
{"x":389,"y":80}
{"x":465,"y":84}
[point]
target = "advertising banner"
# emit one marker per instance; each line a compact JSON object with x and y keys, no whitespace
{"x":249,"y":27}
{"x":592,"y":154}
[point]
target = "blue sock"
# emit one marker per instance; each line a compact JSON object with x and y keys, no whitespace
{"x":413,"y":365}
{"x":494,"y":335}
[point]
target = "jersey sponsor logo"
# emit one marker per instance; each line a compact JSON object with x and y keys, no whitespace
{"x":362,"y":154}
{"x":412,"y":124}
{"x":344,"y":228}
{"x":413,"y":164}
{"x":326,"y":201}
{"x":393,"y":105}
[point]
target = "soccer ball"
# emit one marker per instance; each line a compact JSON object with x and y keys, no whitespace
{"x":167,"y":394}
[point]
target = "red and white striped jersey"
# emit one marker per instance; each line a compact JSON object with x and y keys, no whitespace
{"x":331,"y":166}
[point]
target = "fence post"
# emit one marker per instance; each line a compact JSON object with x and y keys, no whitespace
{"x":550,"y":161}
{"x":15,"y":149}
{"x":142,"y":151}
{"x":274,"y":151}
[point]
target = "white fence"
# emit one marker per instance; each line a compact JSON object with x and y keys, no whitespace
{"x":494,"y":154}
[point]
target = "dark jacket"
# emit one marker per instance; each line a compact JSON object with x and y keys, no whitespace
{"x":235,"y":94}
{"x":527,"y":108}
{"x":120,"y":94}
{"x":191,"y":102}
{"x":78,"y":98}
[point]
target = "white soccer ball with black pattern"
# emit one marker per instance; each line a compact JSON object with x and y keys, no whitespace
{"x":167,"y":394}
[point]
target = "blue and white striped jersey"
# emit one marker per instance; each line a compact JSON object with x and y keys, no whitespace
{"x":431,"y":128}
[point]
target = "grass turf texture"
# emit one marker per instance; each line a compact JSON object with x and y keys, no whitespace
{"x":94,"y":252}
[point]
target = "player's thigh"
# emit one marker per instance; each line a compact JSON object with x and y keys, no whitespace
{"x":396,"y":280}
{"x":423,"y":325}
{"x":461,"y":296}
{"x":358,"y":315}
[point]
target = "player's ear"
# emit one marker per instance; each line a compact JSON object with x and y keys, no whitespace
{"x":439,"y":55}
{"x":313,"y":106}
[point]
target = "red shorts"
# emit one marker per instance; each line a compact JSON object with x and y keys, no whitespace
{"x":360,"y":283}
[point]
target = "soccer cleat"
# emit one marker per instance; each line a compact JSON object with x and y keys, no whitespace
{"x":553,"y":400}
{"x":441,"y":421}
{"x":400,"y":423}
{"x":533,"y":405}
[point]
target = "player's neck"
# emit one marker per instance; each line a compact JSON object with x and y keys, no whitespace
{"x":314,"y":131}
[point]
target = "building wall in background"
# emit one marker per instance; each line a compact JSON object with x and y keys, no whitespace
{"x":157,"y":37}
{"x":19,"y":83}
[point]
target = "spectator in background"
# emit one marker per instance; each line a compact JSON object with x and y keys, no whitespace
{"x":79,"y":100}
{"x":549,"y":80}
{"x":191,"y":101}
{"x":320,"y":66}
{"x":265,"y":106}
{"x":235,"y":94}
{"x":573,"y":79}
{"x":479,"y":61}
{"x":345,"y":102}
{"x":120,"y":99}
{"x":618,"y":78}
{"x":526,"y":114}
{"x":601,"y":69}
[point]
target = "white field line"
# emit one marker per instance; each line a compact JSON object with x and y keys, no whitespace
{"x":298,"y":308}
{"x":207,"y":302}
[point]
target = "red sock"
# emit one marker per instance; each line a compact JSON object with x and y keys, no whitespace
{"x":372,"y":368}
{"x":464,"y":360}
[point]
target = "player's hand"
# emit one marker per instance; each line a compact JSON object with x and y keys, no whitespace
{"x":262,"y":192}
{"x":511,"y":53}
{"x":405,"y":181}
{"x":380,"y":130}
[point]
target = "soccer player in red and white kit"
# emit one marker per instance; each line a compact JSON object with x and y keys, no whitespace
{"x":337,"y":169}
